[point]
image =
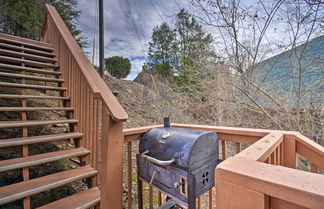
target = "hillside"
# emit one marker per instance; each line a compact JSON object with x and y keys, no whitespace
{"x":148,"y":100}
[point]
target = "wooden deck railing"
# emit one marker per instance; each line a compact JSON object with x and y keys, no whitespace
{"x":100,"y":115}
{"x":262,"y":176}
{"x":237,"y":137}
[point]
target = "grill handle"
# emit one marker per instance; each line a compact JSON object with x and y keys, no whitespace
{"x":156,"y":161}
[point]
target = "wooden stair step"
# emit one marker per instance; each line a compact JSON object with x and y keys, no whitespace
{"x":23,"y":162}
{"x":30,"y":86}
{"x":81,"y":200}
{"x":30,"y":77}
{"x":28,"y":62}
{"x":33,"y":51}
{"x":27,"y":188}
{"x":29,"y":109}
{"x":39,"y":139}
{"x":27,"y":56}
{"x":14,"y":124}
{"x":29,"y":69}
{"x":17,"y":96}
{"x":21,"y":41}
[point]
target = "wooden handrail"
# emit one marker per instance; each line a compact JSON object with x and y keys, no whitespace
{"x":227,"y":130}
{"x":262,"y":149}
{"x":309,"y":149}
{"x":98,"y":86}
{"x":297,"y":187}
{"x":133,"y":134}
{"x":240,"y":135}
{"x":263,"y":184}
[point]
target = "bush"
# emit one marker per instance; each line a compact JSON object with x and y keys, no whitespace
{"x":118,"y":67}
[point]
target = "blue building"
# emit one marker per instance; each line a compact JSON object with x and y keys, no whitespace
{"x":299,"y":71}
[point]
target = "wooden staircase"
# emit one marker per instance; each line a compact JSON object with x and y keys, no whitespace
{"x":31,"y":70}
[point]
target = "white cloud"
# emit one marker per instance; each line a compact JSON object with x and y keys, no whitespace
{"x":128,"y":26}
{"x":136,"y":68}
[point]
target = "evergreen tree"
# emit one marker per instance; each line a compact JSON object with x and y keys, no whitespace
{"x":25,"y":17}
{"x":182,"y":53}
{"x":195,"y":45}
{"x":162,"y":50}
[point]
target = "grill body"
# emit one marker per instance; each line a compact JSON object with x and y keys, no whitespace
{"x":179,"y":162}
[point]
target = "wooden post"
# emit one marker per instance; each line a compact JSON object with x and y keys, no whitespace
{"x":289,"y":153}
{"x":231,"y":196}
{"x":111,"y":162}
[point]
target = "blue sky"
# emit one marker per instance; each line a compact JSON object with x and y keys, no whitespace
{"x":128,"y":26}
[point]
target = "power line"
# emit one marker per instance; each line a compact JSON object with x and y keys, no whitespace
{"x":157,"y":11}
{"x":177,"y":4}
{"x":140,"y":18}
{"x":137,"y":31}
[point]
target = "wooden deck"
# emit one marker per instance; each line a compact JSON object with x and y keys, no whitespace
{"x":261,"y":176}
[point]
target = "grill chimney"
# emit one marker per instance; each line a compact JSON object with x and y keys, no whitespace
{"x":166,"y":122}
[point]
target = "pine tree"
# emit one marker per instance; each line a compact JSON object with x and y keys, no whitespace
{"x":195,"y":45}
{"x":25,"y":17}
{"x":162,"y":50}
{"x":182,"y":53}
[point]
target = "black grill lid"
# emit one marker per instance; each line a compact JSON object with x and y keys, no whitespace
{"x":189,"y":148}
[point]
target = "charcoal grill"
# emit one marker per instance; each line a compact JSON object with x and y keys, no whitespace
{"x":179,"y":162}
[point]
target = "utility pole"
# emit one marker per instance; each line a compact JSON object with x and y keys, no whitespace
{"x":93,"y":51}
{"x":101,"y":39}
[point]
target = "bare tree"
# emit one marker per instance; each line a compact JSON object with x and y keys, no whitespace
{"x":249,"y":32}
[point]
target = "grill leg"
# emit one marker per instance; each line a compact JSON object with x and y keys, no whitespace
{"x":191,"y":192}
{"x":139,"y":193}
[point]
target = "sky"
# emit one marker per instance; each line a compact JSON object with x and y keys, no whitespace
{"x":128,"y":26}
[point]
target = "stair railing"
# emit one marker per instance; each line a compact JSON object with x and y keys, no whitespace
{"x":99,"y":113}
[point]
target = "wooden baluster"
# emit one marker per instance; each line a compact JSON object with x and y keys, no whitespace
{"x":314,"y":168}
{"x":272,"y":158}
{"x":150,"y":197}
{"x":269,"y":159}
{"x":275,"y":157}
{"x":210,"y":199}
{"x":224,"y":150}
{"x":278,"y":155}
{"x":129,"y":159}
{"x":91,"y":123}
{"x":282,"y":153}
{"x":160,"y":198}
{"x":199,"y":202}
{"x":238,"y":147}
